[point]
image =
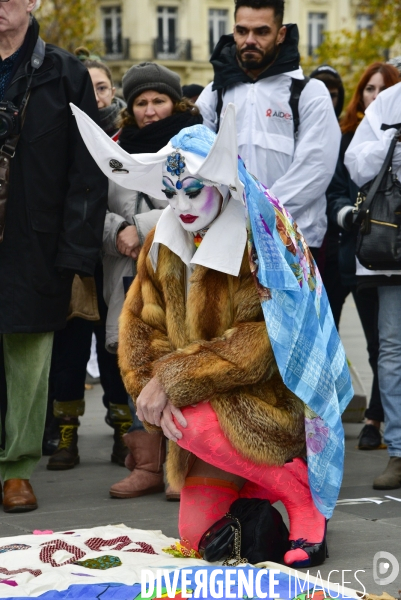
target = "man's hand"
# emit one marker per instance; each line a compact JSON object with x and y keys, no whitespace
{"x":128,"y":242}
{"x":170,"y":429}
{"x":151,"y":402}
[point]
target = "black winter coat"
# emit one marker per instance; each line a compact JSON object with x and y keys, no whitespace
{"x":341,"y":192}
{"x":57,"y":202}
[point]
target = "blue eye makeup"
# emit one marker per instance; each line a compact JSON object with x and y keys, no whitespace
{"x":169,"y":190}
{"x":193,"y":187}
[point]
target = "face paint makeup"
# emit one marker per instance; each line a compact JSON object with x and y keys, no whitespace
{"x":195,"y":205}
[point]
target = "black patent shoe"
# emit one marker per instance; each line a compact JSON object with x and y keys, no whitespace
{"x":317,"y":553}
{"x":370,"y":438}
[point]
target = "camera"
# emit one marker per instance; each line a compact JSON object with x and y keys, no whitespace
{"x":10,"y":120}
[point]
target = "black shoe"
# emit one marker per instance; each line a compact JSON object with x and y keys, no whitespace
{"x":370,"y":438}
{"x":317,"y":553}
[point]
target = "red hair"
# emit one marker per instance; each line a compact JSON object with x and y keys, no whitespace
{"x":356,"y":108}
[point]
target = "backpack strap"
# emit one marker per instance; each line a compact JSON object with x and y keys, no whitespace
{"x":219,"y":106}
{"x":297,"y":85}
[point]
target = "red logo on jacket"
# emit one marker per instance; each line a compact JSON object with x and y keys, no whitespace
{"x":279,"y":114}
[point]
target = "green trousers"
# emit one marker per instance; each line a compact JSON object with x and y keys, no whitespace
{"x":27,"y":359}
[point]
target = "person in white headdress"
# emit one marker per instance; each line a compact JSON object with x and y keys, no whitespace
{"x":194,"y":351}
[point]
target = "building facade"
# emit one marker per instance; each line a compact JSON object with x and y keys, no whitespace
{"x":181,"y":34}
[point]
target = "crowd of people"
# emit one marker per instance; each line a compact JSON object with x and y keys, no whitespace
{"x":148,"y":247}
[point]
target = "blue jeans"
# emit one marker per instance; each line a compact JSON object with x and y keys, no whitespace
{"x":136,"y":423}
{"x":389,"y":364}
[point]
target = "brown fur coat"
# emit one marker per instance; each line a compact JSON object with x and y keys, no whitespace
{"x":213,"y":346}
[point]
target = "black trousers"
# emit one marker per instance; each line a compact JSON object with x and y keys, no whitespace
{"x":71,"y":352}
{"x":367,"y":305}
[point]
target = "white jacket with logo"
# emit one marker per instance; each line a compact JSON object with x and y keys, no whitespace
{"x":297,"y":172}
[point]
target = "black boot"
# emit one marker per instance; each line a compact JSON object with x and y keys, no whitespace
{"x":66,"y":456}
{"x":120,"y":450}
{"x":121,"y":421}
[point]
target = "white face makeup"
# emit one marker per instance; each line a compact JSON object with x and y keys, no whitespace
{"x":195,"y":205}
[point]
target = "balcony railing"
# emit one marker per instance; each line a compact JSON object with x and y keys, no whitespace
{"x":117,"y":49}
{"x":172,"y":49}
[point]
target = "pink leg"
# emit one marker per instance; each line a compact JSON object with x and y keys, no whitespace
{"x":204,"y":437}
{"x":201,"y":506}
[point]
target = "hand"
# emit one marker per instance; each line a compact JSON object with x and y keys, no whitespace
{"x":170,"y":429}
{"x":151,"y":402}
{"x":128,"y":242}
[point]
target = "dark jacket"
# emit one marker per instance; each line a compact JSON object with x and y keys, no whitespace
{"x":341,"y":192}
{"x":321,"y":73}
{"x":228,"y":72}
{"x":57,"y":200}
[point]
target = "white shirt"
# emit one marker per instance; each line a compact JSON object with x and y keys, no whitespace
{"x":298,"y":173}
{"x":369,"y":146}
{"x":222,"y":248}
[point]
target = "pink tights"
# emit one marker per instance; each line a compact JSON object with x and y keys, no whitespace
{"x":205,"y":439}
{"x":201,"y":505}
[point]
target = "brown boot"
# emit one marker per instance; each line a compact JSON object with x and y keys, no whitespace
{"x":66,"y":456}
{"x":18,"y":496}
{"x":390,"y":479}
{"x":149,"y":452}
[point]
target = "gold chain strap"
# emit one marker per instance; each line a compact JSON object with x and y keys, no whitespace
{"x":236,"y":553}
{"x":359,"y":200}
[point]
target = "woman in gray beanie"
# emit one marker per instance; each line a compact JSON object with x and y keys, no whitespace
{"x":155,"y":112}
{"x":153,"y":93}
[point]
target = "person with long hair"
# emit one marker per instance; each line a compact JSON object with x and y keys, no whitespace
{"x":341,"y":196}
{"x":108,"y":103}
{"x":156,"y":110}
{"x":364,"y":159}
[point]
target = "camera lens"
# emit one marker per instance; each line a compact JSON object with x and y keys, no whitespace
{"x":8,"y":120}
{"x":5,"y":125}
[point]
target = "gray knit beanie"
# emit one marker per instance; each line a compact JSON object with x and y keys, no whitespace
{"x":150,"y":76}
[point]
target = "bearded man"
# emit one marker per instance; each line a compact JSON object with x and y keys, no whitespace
{"x":288,"y":135}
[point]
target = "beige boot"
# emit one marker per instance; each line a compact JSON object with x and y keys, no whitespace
{"x":390,"y":479}
{"x":149,"y":453}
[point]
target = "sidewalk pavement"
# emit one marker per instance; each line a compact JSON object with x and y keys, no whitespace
{"x":79,"y":498}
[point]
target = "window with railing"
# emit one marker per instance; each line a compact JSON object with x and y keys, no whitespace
{"x":218,"y":26}
{"x":167,"y":45}
{"x":112,"y":35}
{"x":317,"y":25}
{"x":166,"y":30}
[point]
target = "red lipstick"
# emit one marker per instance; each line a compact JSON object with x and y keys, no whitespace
{"x":188,"y":218}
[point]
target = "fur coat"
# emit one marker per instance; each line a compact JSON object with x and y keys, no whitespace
{"x":210,"y":344}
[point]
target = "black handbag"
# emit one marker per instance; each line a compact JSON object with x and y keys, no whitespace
{"x":252,"y":531}
{"x":378,"y":213}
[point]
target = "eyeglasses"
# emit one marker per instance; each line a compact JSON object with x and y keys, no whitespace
{"x":101,"y":90}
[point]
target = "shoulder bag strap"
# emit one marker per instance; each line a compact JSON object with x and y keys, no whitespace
{"x":148,"y":201}
{"x":219,"y":107}
{"x":7,"y":151}
{"x":385,"y":167}
{"x":37,"y":58}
